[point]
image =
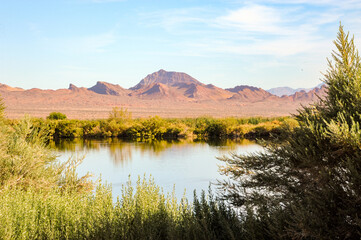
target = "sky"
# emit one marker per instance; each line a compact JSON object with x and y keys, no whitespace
{"x":50,"y":44}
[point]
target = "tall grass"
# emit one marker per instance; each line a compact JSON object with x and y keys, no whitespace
{"x":142,"y":212}
{"x":26,"y":161}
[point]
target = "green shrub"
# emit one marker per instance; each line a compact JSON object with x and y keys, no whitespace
{"x":141,"y":212}
{"x":120,"y":115}
{"x":216,"y":129}
{"x":56,"y":116}
{"x":2,"y":108}
{"x":160,"y":128}
{"x":308,"y":187}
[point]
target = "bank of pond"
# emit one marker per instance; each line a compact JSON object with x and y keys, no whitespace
{"x":201,"y":128}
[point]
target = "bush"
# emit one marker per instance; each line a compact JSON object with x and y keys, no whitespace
{"x":56,"y":116}
{"x":142,"y":212}
{"x":216,"y":130}
{"x":26,"y":161}
{"x":308,"y":187}
{"x":2,"y":108}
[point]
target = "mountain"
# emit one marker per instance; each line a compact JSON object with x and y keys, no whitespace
{"x":280,"y":91}
{"x":176,"y":85}
{"x":4,"y":87}
{"x":109,"y":89}
{"x":167,"y":94}
{"x":308,"y":96}
{"x":167,"y":78}
{"x":249,"y":93}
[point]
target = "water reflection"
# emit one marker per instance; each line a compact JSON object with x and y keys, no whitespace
{"x":185,"y":163}
{"x":121,"y":150}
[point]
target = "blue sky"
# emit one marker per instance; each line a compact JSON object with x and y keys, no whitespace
{"x":49,"y":44}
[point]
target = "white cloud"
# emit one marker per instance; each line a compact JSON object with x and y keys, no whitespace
{"x":255,"y":18}
{"x":172,"y":20}
{"x":274,"y":27}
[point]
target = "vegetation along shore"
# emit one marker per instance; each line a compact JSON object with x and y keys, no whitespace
{"x":121,"y":125}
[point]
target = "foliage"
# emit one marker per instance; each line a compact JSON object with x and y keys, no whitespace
{"x":310,"y":185}
{"x":119,"y":114}
{"x":56,"y":116}
{"x":216,"y":129}
{"x":202,"y":128}
{"x":142,"y":212}
{"x":26,"y":161}
{"x":2,"y":108}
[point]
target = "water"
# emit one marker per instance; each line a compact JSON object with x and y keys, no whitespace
{"x":181,"y":164}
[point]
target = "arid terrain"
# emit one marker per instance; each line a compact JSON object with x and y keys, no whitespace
{"x":166,"y":94}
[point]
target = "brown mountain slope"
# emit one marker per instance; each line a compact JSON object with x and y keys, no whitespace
{"x":4,"y":87}
{"x":167,"y":78}
{"x":178,"y":86}
{"x":250,"y":94}
{"x":309,"y":96}
{"x":205,"y":92}
{"x":109,"y":89}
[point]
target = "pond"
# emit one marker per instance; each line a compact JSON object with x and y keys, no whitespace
{"x":179,"y":165}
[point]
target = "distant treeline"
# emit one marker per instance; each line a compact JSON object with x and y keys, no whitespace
{"x":202,"y":128}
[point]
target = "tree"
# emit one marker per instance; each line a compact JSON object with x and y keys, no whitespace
{"x":56,"y":116}
{"x":2,"y":108}
{"x":119,"y":114}
{"x":310,"y":185}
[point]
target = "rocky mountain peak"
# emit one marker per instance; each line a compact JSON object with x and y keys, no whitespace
{"x":166,"y":78}
{"x":108,"y":89}
{"x":239,"y":88}
{"x":73,"y":87}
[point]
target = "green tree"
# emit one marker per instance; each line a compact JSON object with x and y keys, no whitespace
{"x":56,"y":116}
{"x":310,"y":185}
{"x":119,"y":114}
{"x":2,"y":108}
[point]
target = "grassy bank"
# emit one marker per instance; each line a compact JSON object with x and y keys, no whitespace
{"x":43,"y":199}
{"x":203,"y":128}
{"x":140,"y":213}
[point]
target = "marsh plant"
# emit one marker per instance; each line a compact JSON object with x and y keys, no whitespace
{"x":141,"y":212}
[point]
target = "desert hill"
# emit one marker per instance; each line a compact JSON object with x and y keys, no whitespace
{"x":281,"y":91}
{"x":109,"y":89}
{"x":168,"y":94}
{"x":4,"y":87}
{"x":307,"y":96}
{"x":249,"y":93}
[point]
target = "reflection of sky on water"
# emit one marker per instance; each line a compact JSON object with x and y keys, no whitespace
{"x":186,"y":164}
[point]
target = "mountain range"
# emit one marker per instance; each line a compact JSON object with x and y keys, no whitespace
{"x":280,"y":91}
{"x":170,"y":94}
